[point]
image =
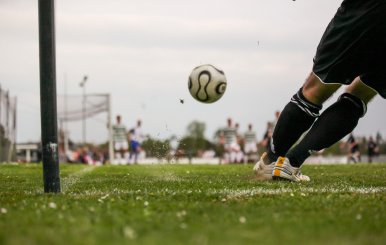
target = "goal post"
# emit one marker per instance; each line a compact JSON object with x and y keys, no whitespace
{"x":110,"y":128}
{"x":8,"y":116}
{"x":48,"y":109}
{"x":76,"y":108}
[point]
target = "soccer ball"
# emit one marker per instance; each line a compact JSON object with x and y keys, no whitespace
{"x":207,"y":84}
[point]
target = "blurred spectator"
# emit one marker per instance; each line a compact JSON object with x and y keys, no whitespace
{"x":372,"y":149}
{"x":277,"y":115}
{"x":239,"y":138}
{"x":379,"y":139}
{"x":266,"y":141}
{"x":136,"y":138}
{"x":354,"y":154}
{"x":250,"y":145}
{"x":120,"y":142}
{"x":228,"y":137}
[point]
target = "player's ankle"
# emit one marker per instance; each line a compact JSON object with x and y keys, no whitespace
{"x":272,"y":157}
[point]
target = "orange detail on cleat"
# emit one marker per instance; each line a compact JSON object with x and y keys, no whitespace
{"x":276,"y":172}
{"x":280,"y":161}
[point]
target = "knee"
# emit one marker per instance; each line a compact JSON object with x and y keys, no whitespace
{"x":357,"y":105}
{"x":360,"y":90}
{"x":317,"y":92}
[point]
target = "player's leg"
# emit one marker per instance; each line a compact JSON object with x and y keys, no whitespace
{"x":228,"y":151}
{"x":136,"y":152}
{"x":233,"y":153}
{"x":125,"y":153}
{"x":247,"y":153}
{"x":296,"y":118}
{"x":370,"y":155}
{"x":349,"y":157}
{"x":359,"y":156}
{"x":299,"y":114}
{"x":334,"y":123}
{"x":117,"y":153}
{"x":341,"y":56}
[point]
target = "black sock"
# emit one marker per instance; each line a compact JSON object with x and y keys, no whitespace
{"x":334,"y":123}
{"x":296,"y":118}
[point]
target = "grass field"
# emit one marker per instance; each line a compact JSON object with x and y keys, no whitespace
{"x":193,"y":204}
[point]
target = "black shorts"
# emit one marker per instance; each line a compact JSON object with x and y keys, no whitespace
{"x":354,"y":44}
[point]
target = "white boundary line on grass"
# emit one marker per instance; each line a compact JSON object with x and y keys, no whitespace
{"x":300,"y":191}
{"x":73,"y":178}
{"x":238,"y":193}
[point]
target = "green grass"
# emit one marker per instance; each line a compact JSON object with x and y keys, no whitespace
{"x":181,"y":204}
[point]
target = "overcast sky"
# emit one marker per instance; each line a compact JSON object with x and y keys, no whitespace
{"x":142,"y":51}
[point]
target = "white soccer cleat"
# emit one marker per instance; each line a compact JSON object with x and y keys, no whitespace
{"x":284,"y":170}
{"x":263,"y":169}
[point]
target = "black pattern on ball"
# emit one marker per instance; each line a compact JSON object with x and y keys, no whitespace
{"x":220,"y":88}
{"x":190,"y":84}
{"x":206,"y":83}
{"x":205,"y":87}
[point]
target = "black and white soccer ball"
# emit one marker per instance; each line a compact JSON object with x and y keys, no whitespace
{"x":207,"y":83}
